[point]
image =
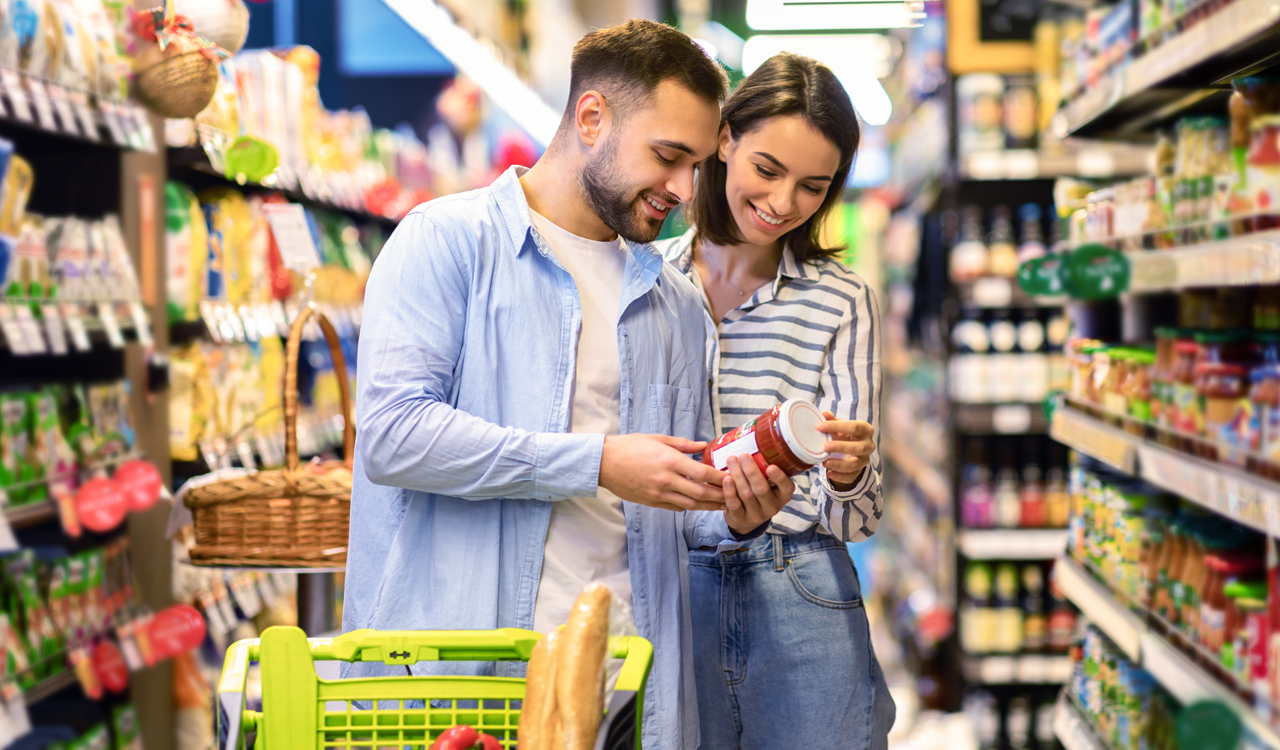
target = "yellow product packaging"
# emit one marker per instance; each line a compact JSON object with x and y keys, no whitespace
{"x":270,"y":415}
{"x":14,"y":193}
{"x":258,"y":250}
{"x":120,"y":16}
{"x":100,"y":34}
{"x":223,"y":112}
{"x":186,"y":252}
{"x":230,"y":219}
{"x":78,"y":65}
{"x":190,"y":402}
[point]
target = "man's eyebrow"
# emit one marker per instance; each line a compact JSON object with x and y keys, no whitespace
{"x":677,"y":145}
{"x":780,"y":166}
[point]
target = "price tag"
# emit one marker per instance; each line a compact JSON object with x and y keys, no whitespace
{"x":265,"y":450}
{"x":30,"y":329}
{"x":88,"y":124}
{"x":1021,"y":164}
{"x":62,"y":105}
{"x":8,"y":542}
{"x":13,"y":332}
{"x":292,"y":233}
{"x":235,"y":327}
{"x":223,"y":451}
{"x":141,"y":324}
{"x":1095,"y":162}
{"x":209,"y":313}
{"x":112,"y":117}
{"x":1105,"y":444}
{"x":266,"y":589}
{"x":992,"y":291}
{"x":16,"y":714}
{"x":142,"y":126}
{"x":75,"y":326}
{"x":248,"y":319}
{"x":110,"y":324}
{"x":129,"y":647}
{"x":44,"y":108}
{"x":53,"y":329}
{"x":281,"y":318}
{"x":210,"y":454}
{"x":12,"y":83}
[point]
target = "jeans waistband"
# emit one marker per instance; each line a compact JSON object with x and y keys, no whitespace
{"x":770,"y":546}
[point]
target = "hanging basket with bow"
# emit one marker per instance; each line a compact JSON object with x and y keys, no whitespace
{"x":176,"y":69}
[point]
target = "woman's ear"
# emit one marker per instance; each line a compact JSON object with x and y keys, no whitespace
{"x":726,"y":142}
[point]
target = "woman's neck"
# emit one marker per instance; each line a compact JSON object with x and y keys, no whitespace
{"x":744,"y":261}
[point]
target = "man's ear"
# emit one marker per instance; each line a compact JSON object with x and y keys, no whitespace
{"x":726,"y":140}
{"x":590,"y":117}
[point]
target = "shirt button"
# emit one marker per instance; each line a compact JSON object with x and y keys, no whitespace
{"x":710,"y":382}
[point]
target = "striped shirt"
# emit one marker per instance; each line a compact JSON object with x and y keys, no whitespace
{"x":813,"y":334}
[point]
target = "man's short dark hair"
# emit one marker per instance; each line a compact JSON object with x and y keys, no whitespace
{"x":627,"y":62}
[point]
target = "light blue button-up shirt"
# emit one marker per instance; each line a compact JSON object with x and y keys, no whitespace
{"x":465,"y":377}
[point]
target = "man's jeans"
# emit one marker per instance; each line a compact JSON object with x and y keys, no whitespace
{"x":782,"y":650}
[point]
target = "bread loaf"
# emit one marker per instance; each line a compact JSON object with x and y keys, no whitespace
{"x":580,"y":674}
{"x":538,"y":712}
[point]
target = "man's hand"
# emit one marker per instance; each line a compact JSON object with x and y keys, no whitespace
{"x":752,"y":498}
{"x":854,"y":441}
{"x":653,"y":470}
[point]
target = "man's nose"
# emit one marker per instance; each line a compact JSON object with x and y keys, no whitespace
{"x":682,"y":185}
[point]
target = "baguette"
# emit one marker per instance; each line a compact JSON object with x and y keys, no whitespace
{"x":538,"y":712}
{"x":580,"y":675}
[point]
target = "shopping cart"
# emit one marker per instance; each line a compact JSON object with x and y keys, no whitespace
{"x":301,"y":711}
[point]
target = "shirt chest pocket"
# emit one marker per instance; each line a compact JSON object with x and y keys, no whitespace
{"x":669,"y":410}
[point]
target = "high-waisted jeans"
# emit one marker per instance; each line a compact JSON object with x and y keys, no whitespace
{"x":782,"y":649}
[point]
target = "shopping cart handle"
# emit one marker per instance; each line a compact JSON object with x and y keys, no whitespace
{"x":230,"y":709}
{"x":395,"y":647}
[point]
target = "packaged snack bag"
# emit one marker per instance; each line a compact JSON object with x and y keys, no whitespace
{"x":48,"y":442}
{"x":78,"y":67}
{"x":75,"y":270}
{"x":187,"y":249}
{"x":191,"y":402}
{"x":15,"y":447}
{"x":124,"y":723}
{"x":14,"y":192}
{"x":230,"y":228}
{"x":99,"y":28}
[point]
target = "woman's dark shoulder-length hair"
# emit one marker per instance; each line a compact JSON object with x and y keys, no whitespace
{"x":786,"y":84}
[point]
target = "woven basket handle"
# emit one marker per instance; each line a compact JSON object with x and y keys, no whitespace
{"x":291,"y":387}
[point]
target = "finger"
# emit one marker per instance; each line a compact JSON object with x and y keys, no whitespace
{"x":698,"y":471}
{"x":846,"y":465}
{"x":828,"y":416}
{"x":696,"y":490}
{"x":756,"y":479}
{"x":786,"y":487}
{"x":682,"y":445}
{"x":850,"y":449}
{"x":746,"y":489}
{"x":731,"y":499}
{"x":683,"y":502}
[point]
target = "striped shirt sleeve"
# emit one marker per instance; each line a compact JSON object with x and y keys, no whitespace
{"x":849,"y":387}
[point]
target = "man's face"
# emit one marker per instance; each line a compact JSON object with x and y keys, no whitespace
{"x":643,"y":167}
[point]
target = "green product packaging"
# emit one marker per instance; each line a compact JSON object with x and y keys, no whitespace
{"x":56,"y":459}
{"x":15,"y":447}
{"x":124,"y":720}
{"x":94,"y":599}
{"x":97,"y":738}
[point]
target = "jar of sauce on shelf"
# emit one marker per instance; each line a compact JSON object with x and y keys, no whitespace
{"x":1223,"y":390}
{"x":1184,"y":418}
{"x":1246,"y":601}
{"x":786,"y":436}
{"x":1263,"y":171}
{"x":1136,"y":388}
{"x":1217,"y":623}
{"x":1264,"y":421}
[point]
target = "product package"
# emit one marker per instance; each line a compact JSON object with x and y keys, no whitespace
{"x":16,"y":469}
{"x":187,"y":250}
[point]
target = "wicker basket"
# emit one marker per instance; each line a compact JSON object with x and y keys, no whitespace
{"x":295,"y":517}
{"x":176,"y":82}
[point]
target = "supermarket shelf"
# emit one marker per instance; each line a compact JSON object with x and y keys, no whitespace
{"x":999,"y":419}
{"x":1100,"y":605}
{"x":50,"y":686}
{"x":113,"y":125}
{"x":1025,"y":669}
{"x":1100,"y":161}
{"x":997,"y":292}
{"x":1244,"y":498}
{"x":193,"y":162}
{"x":1177,"y":672}
{"x":1179,"y":74}
{"x":1012,"y":544}
{"x":931,"y":482}
{"x":1073,"y":730}
{"x":31,"y":514}
{"x":1240,"y":261}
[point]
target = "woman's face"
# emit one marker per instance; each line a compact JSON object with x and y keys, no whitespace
{"x":778,"y":175}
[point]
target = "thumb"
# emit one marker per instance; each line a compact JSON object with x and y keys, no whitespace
{"x":681,"y":444}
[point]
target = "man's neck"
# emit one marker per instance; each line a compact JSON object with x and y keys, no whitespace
{"x":551,"y":187}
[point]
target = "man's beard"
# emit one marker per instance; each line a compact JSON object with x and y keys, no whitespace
{"x":600,"y":183}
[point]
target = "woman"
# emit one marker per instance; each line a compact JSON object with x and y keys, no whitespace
{"x":783,"y":655}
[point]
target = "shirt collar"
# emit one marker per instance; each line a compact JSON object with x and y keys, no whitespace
{"x":788,"y":268}
{"x":515,"y":212}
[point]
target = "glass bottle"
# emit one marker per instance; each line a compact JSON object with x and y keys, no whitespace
{"x":1002,"y":252}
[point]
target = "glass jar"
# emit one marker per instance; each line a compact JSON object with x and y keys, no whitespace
{"x":1110,"y":389}
{"x":1264,"y":421}
{"x":1222,"y":390}
{"x":1183,"y":408}
{"x":786,"y":436}
{"x":1263,"y":171}
{"x":1137,"y":388}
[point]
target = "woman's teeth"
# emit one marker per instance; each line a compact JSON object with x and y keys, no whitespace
{"x":658,"y":206}
{"x":767,"y":218}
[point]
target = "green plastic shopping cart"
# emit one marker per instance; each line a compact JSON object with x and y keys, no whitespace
{"x":301,"y":711}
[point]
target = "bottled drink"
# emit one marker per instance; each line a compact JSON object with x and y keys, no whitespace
{"x":1035,"y":622}
{"x":1031,"y":245}
{"x":1002,"y":252}
{"x":976,"y":510}
{"x":1008,"y":498}
{"x":978,"y":626}
{"x":969,"y":256}
{"x":1008,"y":612}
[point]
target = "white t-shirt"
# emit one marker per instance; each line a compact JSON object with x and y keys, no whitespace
{"x":587,"y":538}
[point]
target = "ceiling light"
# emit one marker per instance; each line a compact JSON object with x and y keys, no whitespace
{"x":856,"y":59}
{"x":479,"y":62}
{"x":813,"y":15}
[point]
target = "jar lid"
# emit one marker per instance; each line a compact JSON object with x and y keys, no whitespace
{"x":1233,"y":563}
{"x":1246,"y":590}
{"x":1185,"y":346}
{"x":799,"y":422}
{"x":1143,"y":356}
{"x":1222,"y":369}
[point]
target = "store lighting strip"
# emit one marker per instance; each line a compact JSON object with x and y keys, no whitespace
{"x":479,"y":62}
{"x":856,"y":59}
{"x":817,"y":15}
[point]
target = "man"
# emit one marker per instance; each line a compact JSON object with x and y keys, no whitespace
{"x":516,"y":343}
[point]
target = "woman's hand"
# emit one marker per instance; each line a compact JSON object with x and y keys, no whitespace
{"x":751,"y":497}
{"x":853,"y":440}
